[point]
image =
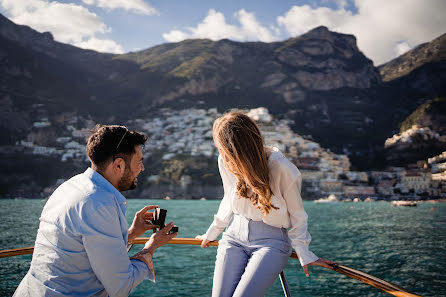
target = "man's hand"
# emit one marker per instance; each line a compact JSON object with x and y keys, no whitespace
{"x":160,"y":238}
{"x":319,"y":262}
{"x":142,"y":222}
{"x":157,"y":240}
{"x":204,"y":242}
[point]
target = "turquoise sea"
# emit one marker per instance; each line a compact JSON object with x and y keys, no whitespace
{"x":406,"y":246}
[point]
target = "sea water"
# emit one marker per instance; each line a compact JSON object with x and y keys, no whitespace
{"x":403,"y":245}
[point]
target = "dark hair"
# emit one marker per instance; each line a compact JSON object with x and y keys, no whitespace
{"x":108,"y":142}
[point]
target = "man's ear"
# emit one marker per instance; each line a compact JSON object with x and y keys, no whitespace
{"x":118,"y":166}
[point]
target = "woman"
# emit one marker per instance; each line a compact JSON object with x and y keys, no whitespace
{"x":261,"y":199}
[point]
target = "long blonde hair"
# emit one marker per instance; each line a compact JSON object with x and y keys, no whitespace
{"x":240,"y":143}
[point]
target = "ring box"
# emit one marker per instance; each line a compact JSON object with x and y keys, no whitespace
{"x":159,"y":217}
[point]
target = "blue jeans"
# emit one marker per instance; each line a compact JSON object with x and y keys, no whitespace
{"x":250,"y":256}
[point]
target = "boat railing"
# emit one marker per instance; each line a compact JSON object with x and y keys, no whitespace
{"x":371,"y":280}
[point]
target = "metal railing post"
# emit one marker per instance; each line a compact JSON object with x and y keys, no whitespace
{"x":286,"y":289}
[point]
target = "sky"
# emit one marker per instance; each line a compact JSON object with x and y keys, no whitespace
{"x":384,"y":28}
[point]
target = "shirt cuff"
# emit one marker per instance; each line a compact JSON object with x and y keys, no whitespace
{"x":305,"y":256}
{"x":213,"y":232}
{"x":142,"y":266}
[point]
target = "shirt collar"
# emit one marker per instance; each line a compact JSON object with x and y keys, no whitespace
{"x":102,"y":182}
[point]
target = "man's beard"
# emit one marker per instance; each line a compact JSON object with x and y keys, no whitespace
{"x":126,"y":182}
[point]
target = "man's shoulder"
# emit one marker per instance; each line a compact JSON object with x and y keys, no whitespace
{"x":81,"y":191}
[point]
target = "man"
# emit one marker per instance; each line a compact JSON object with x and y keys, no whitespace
{"x":81,"y":243}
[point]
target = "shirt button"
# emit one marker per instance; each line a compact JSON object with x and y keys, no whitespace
{"x":125,"y":202}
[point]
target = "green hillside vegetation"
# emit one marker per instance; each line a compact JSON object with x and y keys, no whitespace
{"x":191,"y":67}
{"x":179,"y":59}
{"x":423,"y":115}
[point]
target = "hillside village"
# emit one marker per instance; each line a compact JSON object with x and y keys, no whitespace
{"x":188,"y":134}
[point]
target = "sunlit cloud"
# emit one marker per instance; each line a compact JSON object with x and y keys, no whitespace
{"x":101,"y":45}
{"x":68,"y":22}
{"x":215,"y":27}
{"x":402,"y":47}
{"x":135,"y":6}
{"x":175,"y":36}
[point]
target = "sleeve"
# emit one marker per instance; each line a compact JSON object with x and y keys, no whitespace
{"x":224,"y":213}
{"x":107,"y":253}
{"x":298,"y":233}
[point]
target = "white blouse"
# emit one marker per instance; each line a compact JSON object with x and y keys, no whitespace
{"x":285,"y":183}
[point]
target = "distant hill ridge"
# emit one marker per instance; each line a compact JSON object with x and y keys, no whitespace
{"x":429,"y":52}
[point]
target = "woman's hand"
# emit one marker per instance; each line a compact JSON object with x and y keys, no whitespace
{"x":142,"y":222}
{"x":319,"y":262}
{"x":204,"y":242}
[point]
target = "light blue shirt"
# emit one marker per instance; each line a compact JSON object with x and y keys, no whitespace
{"x":80,"y":247}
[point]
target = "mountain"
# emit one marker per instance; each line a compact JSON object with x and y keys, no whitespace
{"x":293,"y":78}
{"x":223,"y":73}
{"x":282,"y":71}
{"x":420,"y":74}
{"x":320,"y":82}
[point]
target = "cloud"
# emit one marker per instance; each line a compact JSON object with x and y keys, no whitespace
{"x":101,"y":45}
{"x":402,"y":47}
{"x":251,"y":28}
{"x":215,"y":27}
{"x":69,"y":23}
{"x":175,"y":36}
{"x":136,"y":6}
{"x":300,"y":19}
{"x":383,"y":28}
